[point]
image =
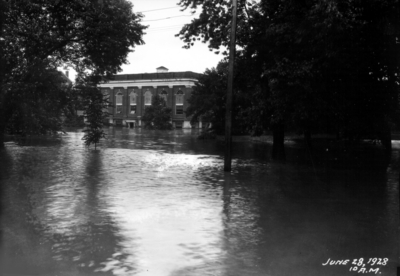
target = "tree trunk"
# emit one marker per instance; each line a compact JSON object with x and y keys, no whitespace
{"x":2,"y":116}
{"x":386,"y":140}
{"x":1,"y":137}
{"x":278,"y":148}
{"x":2,"y":119}
{"x":307,"y":138}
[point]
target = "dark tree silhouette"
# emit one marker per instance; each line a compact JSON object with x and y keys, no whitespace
{"x":312,"y":65}
{"x":37,"y":36}
{"x":157,"y":115}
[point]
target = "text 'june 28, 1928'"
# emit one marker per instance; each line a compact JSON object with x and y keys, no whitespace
{"x":360,"y":265}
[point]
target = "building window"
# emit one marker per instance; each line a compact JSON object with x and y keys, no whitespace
{"x":132,"y":97}
{"x":118,"y":97}
{"x":178,"y":124}
{"x":147,"y":98}
{"x":179,"y":97}
{"x":132,"y":100}
{"x":118,"y":109}
{"x":118,"y":102}
{"x":164,"y":95}
{"x":179,"y":109}
{"x":179,"y":102}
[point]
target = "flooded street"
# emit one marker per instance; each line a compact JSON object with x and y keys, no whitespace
{"x":160,"y":204}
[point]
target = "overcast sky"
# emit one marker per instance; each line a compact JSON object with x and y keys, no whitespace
{"x":164,"y":19}
{"x":161,"y":47}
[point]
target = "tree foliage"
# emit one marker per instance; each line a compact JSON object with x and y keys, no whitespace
{"x":36,"y":106}
{"x":95,"y":105}
{"x":208,"y":98}
{"x":207,"y":102}
{"x":92,"y":37}
{"x":157,"y":115}
{"x":328,"y":65}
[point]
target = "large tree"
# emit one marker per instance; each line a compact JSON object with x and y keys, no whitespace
{"x":93,"y":37}
{"x":317,"y":63}
{"x":38,"y":105}
{"x":207,"y":102}
{"x":335,"y":63}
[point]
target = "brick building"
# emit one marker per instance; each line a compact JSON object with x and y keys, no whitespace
{"x":129,"y":94}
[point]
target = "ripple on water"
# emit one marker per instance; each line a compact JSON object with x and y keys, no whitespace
{"x":151,"y":204}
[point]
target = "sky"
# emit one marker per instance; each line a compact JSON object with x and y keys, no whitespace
{"x":164,"y":19}
{"x":161,"y":47}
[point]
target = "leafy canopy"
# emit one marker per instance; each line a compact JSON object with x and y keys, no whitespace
{"x":36,"y":36}
{"x":95,"y":104}
{"x":36,"y":106}
{"x":208,"y":98}
{"x":157,"y":115}
{"x":84,"y":34}
{"x":329,"y":64}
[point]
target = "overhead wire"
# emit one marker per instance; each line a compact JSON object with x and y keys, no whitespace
{"x":167,"y":30}
{"x":164,"y":31}
{"x":159,"y":19}
{"x":160,"y":9}
{"x":165,"y":27}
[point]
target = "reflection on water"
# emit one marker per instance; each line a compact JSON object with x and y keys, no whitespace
{"x":159,"y":203}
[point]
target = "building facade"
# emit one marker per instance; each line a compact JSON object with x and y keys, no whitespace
{"x":130,"y":94}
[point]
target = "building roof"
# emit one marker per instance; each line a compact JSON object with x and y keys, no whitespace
{"x":157,"y":76}
{"x":162,"y":67}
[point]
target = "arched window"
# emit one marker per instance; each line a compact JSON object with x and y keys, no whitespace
{"x":164,"y":95}
{"x":118,"y":102}
{"x":179,"y":102}
{"x":132,"y":100}
{"x":118,"y":97}
{"x":132,"y":96}
{"x":147,"y":98}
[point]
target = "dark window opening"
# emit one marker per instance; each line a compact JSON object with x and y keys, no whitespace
{"x":147,"y":98}
{"x":118,"y":109}
{"x":164,"y":95}
{"x":179,"y":110}
{"x":178,"y":124}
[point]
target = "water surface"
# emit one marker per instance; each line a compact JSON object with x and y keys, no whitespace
{"x":159,"y":203}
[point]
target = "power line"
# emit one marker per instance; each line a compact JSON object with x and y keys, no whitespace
{"x":165,"y":27}
{"x":160,"y":9}
{"x":167,"y":18}
{"x":164,"y":31}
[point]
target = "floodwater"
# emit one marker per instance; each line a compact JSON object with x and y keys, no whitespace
{"x":159,"y":203}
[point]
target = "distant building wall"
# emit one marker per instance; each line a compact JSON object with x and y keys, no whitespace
{"x":130,"y":93}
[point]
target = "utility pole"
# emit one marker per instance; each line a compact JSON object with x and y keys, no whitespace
{"x":228,"y":117}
